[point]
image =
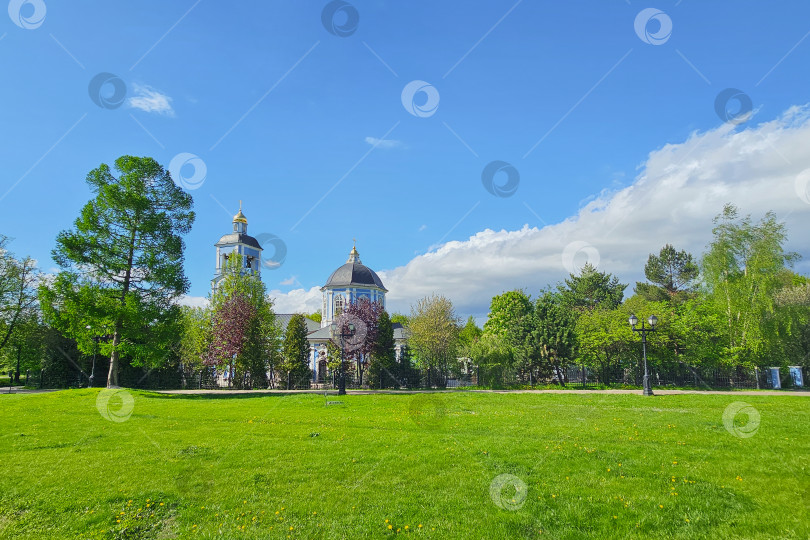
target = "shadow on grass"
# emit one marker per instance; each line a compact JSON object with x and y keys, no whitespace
{"x":225,"y":394}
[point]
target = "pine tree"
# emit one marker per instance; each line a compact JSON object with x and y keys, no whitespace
{"x":295,"y":353}
{"x":383,"y":371}
{"x":671,"y":275}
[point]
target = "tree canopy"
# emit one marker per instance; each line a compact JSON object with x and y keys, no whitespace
{"x":434,"y":330}
{"x":671,"y":275}
{"x":744,"y":269}
{"x":122,"y":263}
{"x":18,"y":294}
{"x":294,"y":368}
{"x":591,"y":290}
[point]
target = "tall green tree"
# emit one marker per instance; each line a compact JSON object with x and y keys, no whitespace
{"x":671,"y":275}
{"x":383,"y":371}
{"x":434,"y":329}
{"x":744,"y":268}
{"x":591,"y":290}
{"x":492,"y":359}
{"x":18,"y":291}
{"x":554,"y":333}
{"x":399,"y":318}
{"x":608,"y":345}
{"x":511,"y":321}
{"x":469,"y":333}
{"x":25,"y":348}
{"x":295,"y":352}
{"x":122,"y":263}
{"x":195,"y":339}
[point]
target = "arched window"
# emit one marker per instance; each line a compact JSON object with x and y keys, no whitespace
{"x":340,"y":303}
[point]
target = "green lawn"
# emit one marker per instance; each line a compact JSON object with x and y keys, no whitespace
{"x":460,"y":465}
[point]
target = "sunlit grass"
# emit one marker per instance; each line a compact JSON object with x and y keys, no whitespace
{"x":460,"y":465}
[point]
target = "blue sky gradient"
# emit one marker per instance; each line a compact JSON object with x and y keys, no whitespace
{"x":285,"y":115}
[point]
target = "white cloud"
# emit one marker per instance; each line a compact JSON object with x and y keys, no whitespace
{"x":150,"y":100}
{"x":193,"y":301}
{"x":297,"y":300}
{"x":679,"y":190}
{"x":383,"y":143}
{"x":422,"y":228}
{"x":289,"y":281}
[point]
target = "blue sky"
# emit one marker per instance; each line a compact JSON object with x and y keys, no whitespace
{"x":290,"y":118}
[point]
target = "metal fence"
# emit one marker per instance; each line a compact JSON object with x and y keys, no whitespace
{"x":677,"y":376}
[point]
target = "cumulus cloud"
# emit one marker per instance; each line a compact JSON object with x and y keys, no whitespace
{"x":193,"y":301}
{"x":383,"y":143}
{"x":150,"y":100}
{"x":297,"y":300}
{"x":679,"y":190}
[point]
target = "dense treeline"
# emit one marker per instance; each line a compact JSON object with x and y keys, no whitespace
{"x":111,"y":314}
{"x":738,"y":309}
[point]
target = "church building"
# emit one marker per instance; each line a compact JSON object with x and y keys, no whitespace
{"x":238,"y":241}
{"x":348,"y":284}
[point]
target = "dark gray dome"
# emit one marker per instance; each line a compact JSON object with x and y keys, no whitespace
{"x":354,"y":273}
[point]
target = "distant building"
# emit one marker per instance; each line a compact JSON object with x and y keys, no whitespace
{"x":348,"y":284}
{"x":241,"y":243}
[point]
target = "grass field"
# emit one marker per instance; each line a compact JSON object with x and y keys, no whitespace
{"x":83,"y":464}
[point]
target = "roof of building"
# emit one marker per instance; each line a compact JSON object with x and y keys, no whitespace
{"x":242,"y":238}
{"x":283,"y":319}
{"x":400,"y":332}
{"x":354,"y":273}
{"x":324,"y":334}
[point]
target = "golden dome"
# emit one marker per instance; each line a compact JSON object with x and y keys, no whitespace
{"x":240,"y":217}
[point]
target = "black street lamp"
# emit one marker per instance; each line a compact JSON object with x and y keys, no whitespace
{"x":653,"y":320}
{"x":338,"y":332}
